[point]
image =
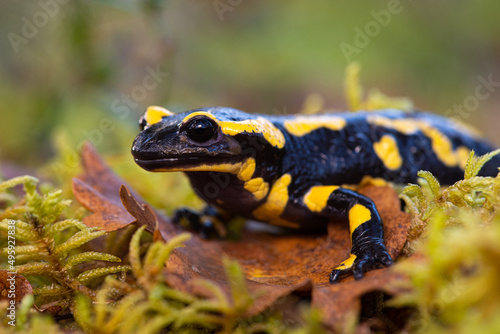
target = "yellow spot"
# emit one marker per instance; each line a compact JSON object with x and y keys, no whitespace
{"x":154,"y":114}
{"x":243,"y":171}
{"x":302,"y":125}
{"x":317,"y":197}
{"x":358,"y":215}
{"x":260,"y":125}
{"x":368,"y":180}
{"x":387,"y":150}
{"x":463,"y":155}
{"x":441,"y":145}
{"x":406,"y":126}
{"x":247,"y":170}
{"x":347,"y":263}
{"x":275,"y":204}
{"x":257,"y":187}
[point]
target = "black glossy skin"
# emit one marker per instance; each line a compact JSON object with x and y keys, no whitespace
{"x":345,"y":156}
{"x":322,"y":157}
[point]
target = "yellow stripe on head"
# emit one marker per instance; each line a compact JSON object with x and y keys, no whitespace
{"x":260,"y":125}
{"x":232,"y":168}
{"x":199,"y":113}
{"x":154,"y":114}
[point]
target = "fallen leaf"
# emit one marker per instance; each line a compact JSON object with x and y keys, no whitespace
{"x":341,"y":303}
{"x":291,"y":258}
{"x":275,"y":264}
{"x":98,"y":191}
{"x":13,"y":286}
{"x":141,"y":212}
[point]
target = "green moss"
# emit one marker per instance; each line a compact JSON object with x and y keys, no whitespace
{"x":456,"y":232}
{"x":68,"y":275}
{"x":474,"y":195}
{"x":48,"y":248}
{"x":374,"y":100}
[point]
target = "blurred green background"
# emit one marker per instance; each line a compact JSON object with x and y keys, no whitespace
{"x":82,"y":70}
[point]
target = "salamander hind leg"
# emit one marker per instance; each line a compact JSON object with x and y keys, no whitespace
{"x":365,"y":226}
{"x":210,"y":223}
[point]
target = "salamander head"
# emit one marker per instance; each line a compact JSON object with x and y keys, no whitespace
{"x":208,"y":139}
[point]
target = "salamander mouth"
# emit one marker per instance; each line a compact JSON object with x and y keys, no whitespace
{"x":184,"y":163}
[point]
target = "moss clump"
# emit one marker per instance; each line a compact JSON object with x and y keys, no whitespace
{"x":474,"y":195}
{"x":47,"y":247}
{"x":454,"y":276}
{"x":83,"y":294}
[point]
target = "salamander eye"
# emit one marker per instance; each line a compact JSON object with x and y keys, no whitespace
{"x":201,"y":130}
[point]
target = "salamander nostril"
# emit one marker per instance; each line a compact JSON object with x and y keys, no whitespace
{"x":143,"y":149}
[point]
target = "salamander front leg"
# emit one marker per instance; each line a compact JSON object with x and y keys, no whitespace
{"x":367,"y":240}
{"x":365,"y":226}
{"x":209,"y":223}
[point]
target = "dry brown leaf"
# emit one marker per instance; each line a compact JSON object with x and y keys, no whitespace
{"x":98,"y":191}
{"x":291,"y":258}
{"x":141,"y":212}
{"x":275,"y":265}
{"x":341,"y":303}
{"x":13,"y":286}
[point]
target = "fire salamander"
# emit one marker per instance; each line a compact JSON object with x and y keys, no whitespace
{"x":291,"y":171}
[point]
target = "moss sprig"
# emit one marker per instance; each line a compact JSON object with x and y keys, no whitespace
{"x":374,"y":100}
{"x":473,"y":194}
{"x":156,"y":306}
{"x":47,"y":246}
